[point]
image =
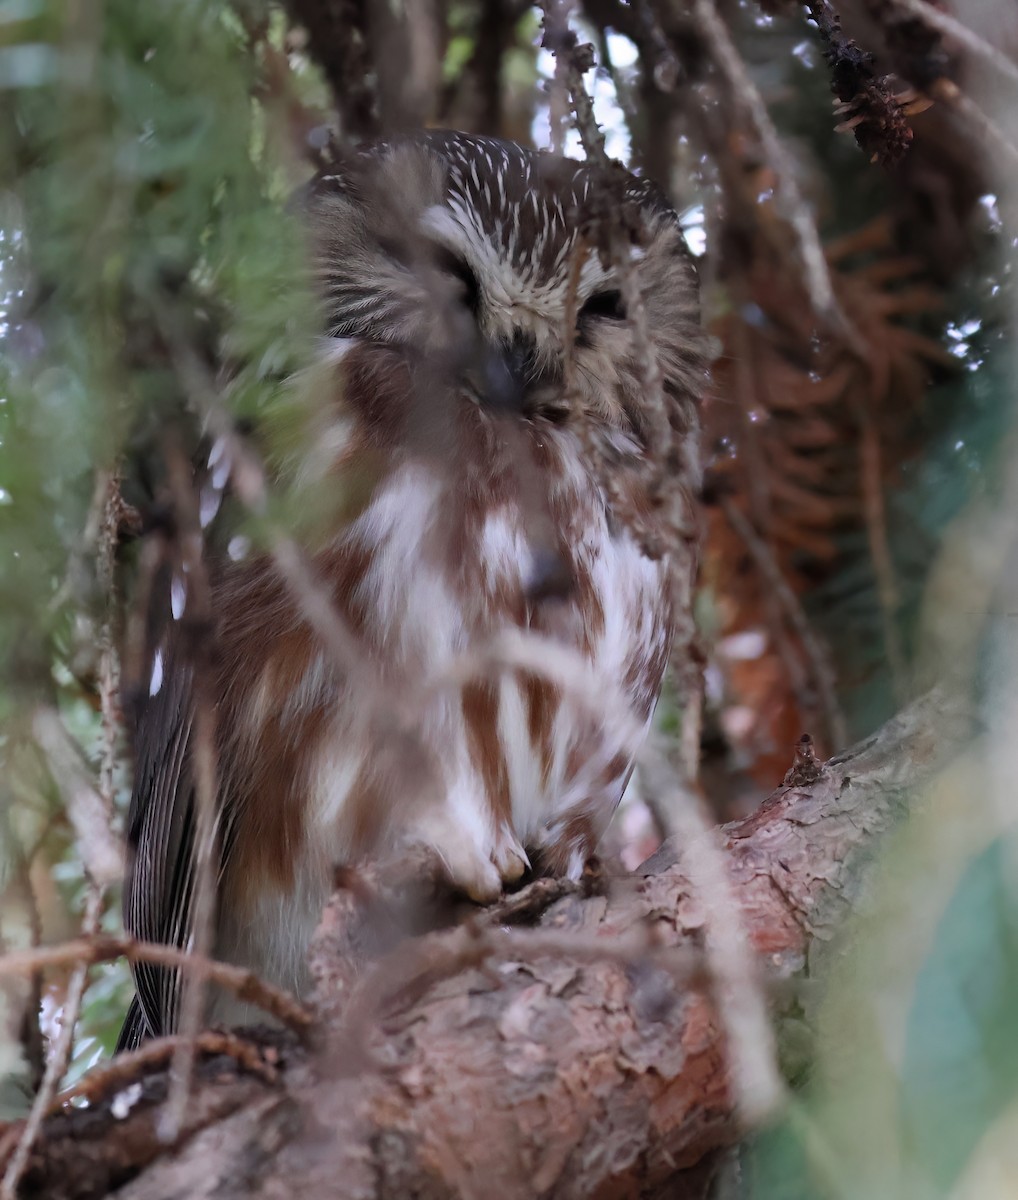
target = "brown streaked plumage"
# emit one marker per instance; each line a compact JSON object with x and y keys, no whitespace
{"x":443,"y":261}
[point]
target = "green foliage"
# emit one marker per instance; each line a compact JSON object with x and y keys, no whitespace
{"x":152,"y":231}
{"x":144,"y":239}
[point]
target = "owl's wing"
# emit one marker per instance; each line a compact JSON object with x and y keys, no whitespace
{"x":160,"y":831}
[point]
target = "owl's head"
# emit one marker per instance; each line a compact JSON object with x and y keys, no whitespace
{"x":461,"y":248}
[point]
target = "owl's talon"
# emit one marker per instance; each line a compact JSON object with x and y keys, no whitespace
{"x":511,"y":861}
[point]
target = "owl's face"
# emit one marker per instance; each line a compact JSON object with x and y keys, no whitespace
{"x":460,"y":248}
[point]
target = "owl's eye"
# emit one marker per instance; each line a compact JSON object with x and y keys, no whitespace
{"x":604,"y":304}
{"x":460,"y":269}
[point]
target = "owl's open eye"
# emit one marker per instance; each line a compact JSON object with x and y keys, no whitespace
{"x":604,"y":304}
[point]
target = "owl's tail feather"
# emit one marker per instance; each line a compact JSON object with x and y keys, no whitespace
{"x":135,"y":1029}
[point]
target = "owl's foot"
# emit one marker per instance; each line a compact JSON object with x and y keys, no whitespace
{"x":510,"y":860}
{"x":479,"y":870}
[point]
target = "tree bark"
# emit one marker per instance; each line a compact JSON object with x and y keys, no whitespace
{"x":579,"y":1056}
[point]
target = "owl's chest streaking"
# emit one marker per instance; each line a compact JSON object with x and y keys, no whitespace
{"x":503,"y":529}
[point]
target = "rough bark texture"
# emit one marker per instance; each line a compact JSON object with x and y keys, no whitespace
{"x":577,"y":1057}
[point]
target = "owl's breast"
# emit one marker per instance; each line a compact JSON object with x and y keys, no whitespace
{"x":493,"y":769}
{"x":524,"y":759}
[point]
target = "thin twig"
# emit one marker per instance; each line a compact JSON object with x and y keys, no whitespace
{"x":557,"y":14}
{"x":244,"y":984}
{"x":60,"y":1052}
{"x":111,"y":509}
{"x":120,"y":1073}
{"x":822,"y":671}
{"x":880,"y":552}
{"x":816,"y":275}
{"x":734,"y":968}
{"x":123,"y":1070}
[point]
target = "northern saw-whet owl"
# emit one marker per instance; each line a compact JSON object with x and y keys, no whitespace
{"x":444,"y":263}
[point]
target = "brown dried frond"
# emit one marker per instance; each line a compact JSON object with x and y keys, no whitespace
{"x":801,"y":441}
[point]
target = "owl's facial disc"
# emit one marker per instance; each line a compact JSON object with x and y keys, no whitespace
{"x":461,"y":250}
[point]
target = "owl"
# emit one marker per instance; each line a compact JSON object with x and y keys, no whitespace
{"x":447,"y":266}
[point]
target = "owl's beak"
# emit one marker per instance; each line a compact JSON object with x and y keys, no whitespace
{"x":505,"y":372}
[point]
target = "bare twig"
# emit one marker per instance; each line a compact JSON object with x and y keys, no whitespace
{"x":689,"y":682}
{"x":110,"y":507}
{"x":59,"y":1055}
{"x":556,"y":20}
{"x":118,"y":1075}
{"x":880,"y":552}
{"x":244,"y":984}
{"x":734,"y":969}
{"x":121,"y":1071}
{"x":816,"y":275}
{"x":821,"y":668}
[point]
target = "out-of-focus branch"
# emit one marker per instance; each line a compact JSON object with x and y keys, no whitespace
{"x":989,"y":131}
{"x":816,"y":275}
{"x":880,"y":551}
{"x":337,"y":40}
{"x":86,"y":807}
{"x":949,"y":26}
